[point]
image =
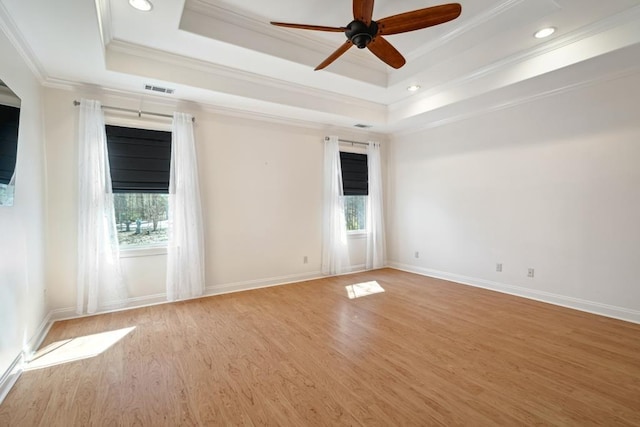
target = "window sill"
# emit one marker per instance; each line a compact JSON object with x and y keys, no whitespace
{"x":357,"y":234}
{"x":143,"y":251}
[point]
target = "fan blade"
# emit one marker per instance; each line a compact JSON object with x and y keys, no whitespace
{"x":363,"y":10}
{"x":310,"y":27}
{"x":418,"y":19}
{"x":335,"y":55}
{"x":385,"y":51}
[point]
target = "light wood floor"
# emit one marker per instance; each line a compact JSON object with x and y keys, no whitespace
{"x":424,"y":352}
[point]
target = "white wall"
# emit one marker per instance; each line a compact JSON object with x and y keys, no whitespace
{"x":552,"y":184}
{"x":22,"y":226}
{"x":261,"y":191}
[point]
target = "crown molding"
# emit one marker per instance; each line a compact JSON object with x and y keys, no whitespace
{"x":13,"y":33}
{"x":515,"y":102}
{"x":217,"y":21}
{"x":469,"y":25}
{"x":216,"y":74}
{"x":619,"y":19}
{"x":162,"y":103}
{"x":288,"y":121}
{"x":255,"y":23}
{"x":612,"y":22}
{"x":615,"y":30}
{"x":103,"y":10}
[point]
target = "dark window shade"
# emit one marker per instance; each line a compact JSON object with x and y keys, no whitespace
{"x":355,"y":174}
{"x":9,"y":117}
{"x":139,"y":159}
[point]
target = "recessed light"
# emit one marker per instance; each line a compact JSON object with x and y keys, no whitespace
{"x":545,"y":32}
{"x":413,"y":88}
{"x":143,"y":5}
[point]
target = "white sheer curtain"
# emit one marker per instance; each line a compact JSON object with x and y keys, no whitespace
{"x":335,"y":255}
{"x":100,"y":283}
{"x":375,"y":210}
{"x":185,"y":261}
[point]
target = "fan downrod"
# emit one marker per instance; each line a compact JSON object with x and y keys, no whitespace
{"x":360,"y":34}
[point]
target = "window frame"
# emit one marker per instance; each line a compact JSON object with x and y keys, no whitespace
{"x":144,"y":251}
{"x":351,"y":148}
{"x":115,"y":118}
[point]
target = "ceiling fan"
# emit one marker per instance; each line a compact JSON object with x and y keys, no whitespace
{"x":365,"y":32}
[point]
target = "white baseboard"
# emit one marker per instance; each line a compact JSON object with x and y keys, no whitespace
{"x":593,"y":307}
{"x":359,"y":268}
{"x":9,"y":378}
{"x":146,"y":301}
{"x":149,"y":300}
{"x":38,"y":337}
{"x":260,"y":283}
{"x":129,"y":303}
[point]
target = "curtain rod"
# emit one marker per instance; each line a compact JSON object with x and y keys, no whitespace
{"x":348,"y":141}
{"x":129,"y":110}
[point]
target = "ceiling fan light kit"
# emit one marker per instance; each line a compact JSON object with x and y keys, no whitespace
{"x":365,"y":32}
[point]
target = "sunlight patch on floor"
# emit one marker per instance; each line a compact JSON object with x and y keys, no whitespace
{"x":75,"y":349}
{"x":363,"y":289}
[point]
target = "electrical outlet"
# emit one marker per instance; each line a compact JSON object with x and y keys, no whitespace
{"x":417,"y":254}
{"x":305,"y":260}
{"x":499,"y":267}
{"x":530,"y":272}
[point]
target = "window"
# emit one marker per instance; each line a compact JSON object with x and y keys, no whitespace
{"x":355,"y":185}
{"x":9,"y":118}
{"x":140,"y":160}
{"x":141,"y":218}
{"x":355,"y":212}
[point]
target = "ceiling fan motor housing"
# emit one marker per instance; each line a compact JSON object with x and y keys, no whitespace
{"x":360,"y":34}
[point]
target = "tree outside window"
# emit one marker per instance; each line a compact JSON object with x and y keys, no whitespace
{"x":141,"y":218}
{"x":355,"y":212}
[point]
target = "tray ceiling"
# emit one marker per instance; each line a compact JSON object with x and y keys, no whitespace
{"x":226,"y":54}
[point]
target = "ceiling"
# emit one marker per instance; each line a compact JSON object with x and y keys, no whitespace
{"x":224,"y":53}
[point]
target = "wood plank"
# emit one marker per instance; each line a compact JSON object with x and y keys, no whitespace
{"x":423,"y":352}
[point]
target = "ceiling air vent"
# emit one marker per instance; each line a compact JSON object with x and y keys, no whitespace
{"x":361,"y":126}
{"x":159,"y":89}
